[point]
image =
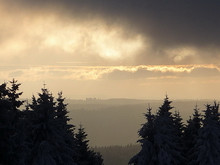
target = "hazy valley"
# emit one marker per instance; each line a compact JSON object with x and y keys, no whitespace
{"x":116,"y":121}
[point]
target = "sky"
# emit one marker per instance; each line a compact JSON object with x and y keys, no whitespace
{"x":141,"y":49}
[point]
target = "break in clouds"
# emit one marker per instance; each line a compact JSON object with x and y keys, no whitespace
{"x":140,"y":32}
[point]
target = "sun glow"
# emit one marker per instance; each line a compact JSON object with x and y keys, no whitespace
{"x":113,"y":46}
{"x":49,"y":32}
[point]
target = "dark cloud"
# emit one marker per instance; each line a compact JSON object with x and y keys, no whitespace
{"x":167,"y":24}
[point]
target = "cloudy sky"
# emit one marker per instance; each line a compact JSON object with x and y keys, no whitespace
{"x":112,"y":49}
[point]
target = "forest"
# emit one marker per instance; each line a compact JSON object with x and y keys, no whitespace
{"x":38,"y":132}
{"x":166,"y":140}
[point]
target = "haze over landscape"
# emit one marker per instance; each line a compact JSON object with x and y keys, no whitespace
{"x":117,"y":121}
{"x":112,"y":49}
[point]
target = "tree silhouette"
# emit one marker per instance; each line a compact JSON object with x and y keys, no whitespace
{"x":161,"y":138}
{"x":11,"y":128}
{"x":190,"y":136}
{"x":40,"y":134}
{"x":47,"y":134}
{"x":166,"y":141}
{"x":86,"y":156}
{"x":207,"y":148}
{"x":147,"y":132}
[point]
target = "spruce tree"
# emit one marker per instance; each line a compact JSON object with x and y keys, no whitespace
{"x":19,"y":146}
{"x":146,"y":156}
{"x":66,"y":129}
{"x":6,"y":129}
{"x":148,"y":130}
{"x":179,"y":126}
{"x":13,"y":95}
{"x":86,"y":156}
{"x":190,"y":136}
{"x":166,"y":141}
{"x":161,"y":138}
{"x":177,"y":120}
{"x":207,"y":148}
{"x":61,"y":115}
{"x":46,"y":135}
{"x":11,"y":129}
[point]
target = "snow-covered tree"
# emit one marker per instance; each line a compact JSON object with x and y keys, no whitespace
{"x":147,"y":131}
{"x":207,"y":148}
{"x":146,"y":156}
{"x":47,"y":135}
{"x":166,"y":139}
{"x":160,"y":138}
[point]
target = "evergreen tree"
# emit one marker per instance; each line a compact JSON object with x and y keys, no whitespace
{"x":179,"y":126}
{"x":86,"y":156}
{"x":66,"y":129}
{"x":166,"y":140}
{"x":161,"y":138}
{"x":207,"y":147}
{"x":46,"y":134}
{"x":13,"y":96}
{"x":148,"y":130}
{"x":5,"y":126}
{"x":11,"y":131}
{"x":19,"y":146}
{"x":190,"y":136}
{"x":61,"y":115}
{"x":177,"y":120}
{"x":147,"y":154}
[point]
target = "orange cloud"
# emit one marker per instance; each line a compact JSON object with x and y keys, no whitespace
{"x":92,"y":72}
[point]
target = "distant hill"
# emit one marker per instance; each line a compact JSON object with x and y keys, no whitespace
{"x":116,"y":121}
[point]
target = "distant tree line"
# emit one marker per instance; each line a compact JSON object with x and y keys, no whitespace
{"x":117,"y":155}
{"x":39,"y":134}
{"x":165,"y":140}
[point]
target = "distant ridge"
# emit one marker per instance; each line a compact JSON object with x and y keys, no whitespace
{"x":117,"y":120}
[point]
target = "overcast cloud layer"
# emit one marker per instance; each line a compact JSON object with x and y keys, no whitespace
{"x":165,"y":32}
{"x":99,"y":45}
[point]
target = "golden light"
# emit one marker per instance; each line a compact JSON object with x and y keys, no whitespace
{"x":112,"y":45}
{"x":32,"y":30}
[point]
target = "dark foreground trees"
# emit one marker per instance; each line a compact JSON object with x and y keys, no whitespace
{"x":160,"y":140}
{"x":165,"y":141}
{"x":207,"y":147}
{"x":11,"y":127}
{"x":86,"y":156}
{"x":40,"y":134}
